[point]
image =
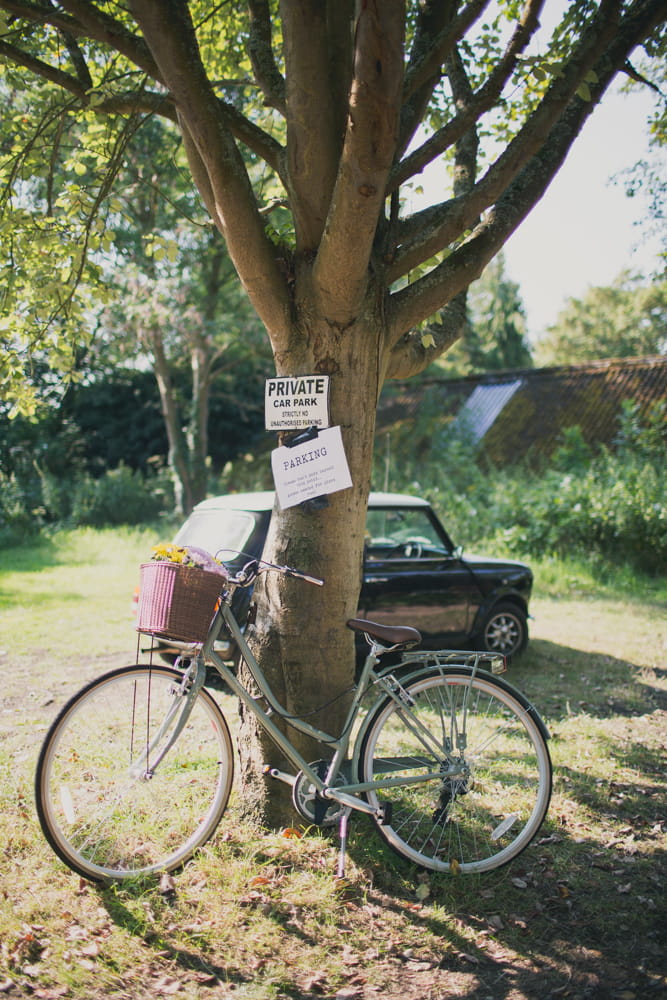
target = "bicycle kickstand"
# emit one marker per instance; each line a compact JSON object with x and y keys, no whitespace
{"x":342,"y":832}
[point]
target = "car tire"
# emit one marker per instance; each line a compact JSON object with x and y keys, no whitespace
{"x":505,"y":630}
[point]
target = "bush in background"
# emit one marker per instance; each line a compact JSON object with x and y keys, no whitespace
{"x":608,"y":503}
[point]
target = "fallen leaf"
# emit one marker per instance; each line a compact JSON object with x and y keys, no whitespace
{"x":167,"y":885}
{"x":91,"y":950}
{"x":419,"y":966}
{"x":423,"y":891}
{"x":167,"y":984}
{"x":317,"y":982}
{"x":260,"y":880}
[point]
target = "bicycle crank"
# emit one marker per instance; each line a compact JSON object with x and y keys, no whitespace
{"x":308,"y":801}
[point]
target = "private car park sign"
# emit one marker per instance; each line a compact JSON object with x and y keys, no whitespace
{"x":296,"y":401}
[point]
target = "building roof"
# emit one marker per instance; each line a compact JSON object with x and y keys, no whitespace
{"x":522,"y":413}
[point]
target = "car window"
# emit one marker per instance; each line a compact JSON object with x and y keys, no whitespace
{"x":402,"y":533}
{"x":214,"y":530}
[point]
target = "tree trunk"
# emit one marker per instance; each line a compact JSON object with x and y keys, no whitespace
{"x":300,"y":631}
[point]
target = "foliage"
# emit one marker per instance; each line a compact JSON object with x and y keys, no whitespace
{"x":627,"y":319}
{"x":91,"y":135}
{"x":610,"y":503}
{"x":647,"y":179}
{"x":256,"y":915}
{"x":327,"y":113}
{"x":120,"y":496}
{"x":494,"y":337}
{"x":103,"y":424}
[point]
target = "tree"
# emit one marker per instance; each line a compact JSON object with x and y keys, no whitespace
{"x":189,"y":313}
{"x":647,"y":178}
{"x":329,"y":101}
{"x":625,"y":320}
{"x":494,"y":337}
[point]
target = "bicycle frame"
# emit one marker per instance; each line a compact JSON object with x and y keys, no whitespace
{"x":346,"y":794}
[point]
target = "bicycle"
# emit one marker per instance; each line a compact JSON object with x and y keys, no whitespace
{"x":451,"y":762}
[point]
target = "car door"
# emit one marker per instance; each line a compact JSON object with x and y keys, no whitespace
{"x":414,"y":576}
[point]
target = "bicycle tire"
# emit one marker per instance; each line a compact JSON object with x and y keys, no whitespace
{"x":100,"y":808}
{"x":481,"y":813}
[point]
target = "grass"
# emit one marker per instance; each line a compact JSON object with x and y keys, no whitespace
{"x":579,"y":915}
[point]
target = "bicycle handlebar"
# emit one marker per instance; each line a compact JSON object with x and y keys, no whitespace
{"x":247,"y":574}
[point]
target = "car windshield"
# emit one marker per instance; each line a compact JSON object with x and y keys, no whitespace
{"x":216,"y":530}
{"x":388,"y":531}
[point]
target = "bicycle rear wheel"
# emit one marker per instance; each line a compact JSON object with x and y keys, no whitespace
{"x":102,"y":808}
{"x":479,"y":754}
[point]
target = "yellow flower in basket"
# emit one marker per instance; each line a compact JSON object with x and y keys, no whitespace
{"x":190,"y":556}
{"x":165,"y":552}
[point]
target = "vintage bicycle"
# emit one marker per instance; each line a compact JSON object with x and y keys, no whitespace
{"x":450,"y":761}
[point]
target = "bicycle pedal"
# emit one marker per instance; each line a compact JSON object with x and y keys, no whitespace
{"x":384,"y":816}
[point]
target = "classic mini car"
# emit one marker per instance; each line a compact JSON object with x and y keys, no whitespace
{"x":413,"y":572}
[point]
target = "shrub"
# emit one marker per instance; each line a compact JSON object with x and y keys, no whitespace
{"x":120,"y":496}
{"x":17,"y":521}
{"x":611,"y":504}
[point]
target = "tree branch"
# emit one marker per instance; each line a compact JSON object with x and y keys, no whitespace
{"x":215,"y":159}
{"x":64,"y":80}
{"x":313,"y":141}
{"x":459,"y":214}
{"x":420,"y":300}
{"x":430,"y":53}
{"x":483,"y":100}
{"x":84,"y":20}
{"x":341,"y":269}
{"x":438,"y":30}
{"x":416,"y":349}
{"x":260,"y":51}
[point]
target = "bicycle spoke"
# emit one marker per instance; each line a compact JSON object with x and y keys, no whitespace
{"x":104,"y":806}
{"x":485,"y":789}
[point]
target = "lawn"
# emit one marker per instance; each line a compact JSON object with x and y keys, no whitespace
{"x":579,"y":915}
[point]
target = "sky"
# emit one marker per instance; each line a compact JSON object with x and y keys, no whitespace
{"x":583,"y":233}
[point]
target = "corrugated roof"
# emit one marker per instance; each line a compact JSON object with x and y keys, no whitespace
{"x":524,"y":412}
{"x":483,"y":406}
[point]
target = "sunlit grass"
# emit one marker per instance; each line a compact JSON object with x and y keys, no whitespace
{"x":257,"y":915}
{"x":72,"y":591}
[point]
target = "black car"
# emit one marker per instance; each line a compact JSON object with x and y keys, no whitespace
{"x":413,"y":573}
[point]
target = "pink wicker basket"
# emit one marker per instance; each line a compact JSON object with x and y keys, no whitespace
{"x":177,"y":602}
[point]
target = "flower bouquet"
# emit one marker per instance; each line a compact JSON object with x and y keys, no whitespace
{"x":179,"y":592}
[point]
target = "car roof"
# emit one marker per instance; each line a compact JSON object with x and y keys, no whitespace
{"x":263,"y":500}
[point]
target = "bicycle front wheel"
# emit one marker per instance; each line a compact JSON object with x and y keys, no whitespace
{"x":466,"y":768}
{"x":106,"y":808}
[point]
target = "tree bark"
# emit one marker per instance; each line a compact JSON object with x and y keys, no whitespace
{"x":300,"y":634}
{"x":342,"y":299}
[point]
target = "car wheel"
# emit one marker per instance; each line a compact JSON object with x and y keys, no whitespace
{"x":505,"y":630}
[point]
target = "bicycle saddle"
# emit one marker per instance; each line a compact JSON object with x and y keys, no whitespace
{"x":395,"y":635}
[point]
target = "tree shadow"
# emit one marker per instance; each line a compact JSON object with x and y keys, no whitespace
{"x":578,"y":915}
{"x":563,"y":681}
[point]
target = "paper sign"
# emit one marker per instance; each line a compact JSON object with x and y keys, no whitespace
{"x":296,"y":401}
{"x":310,"y":469}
